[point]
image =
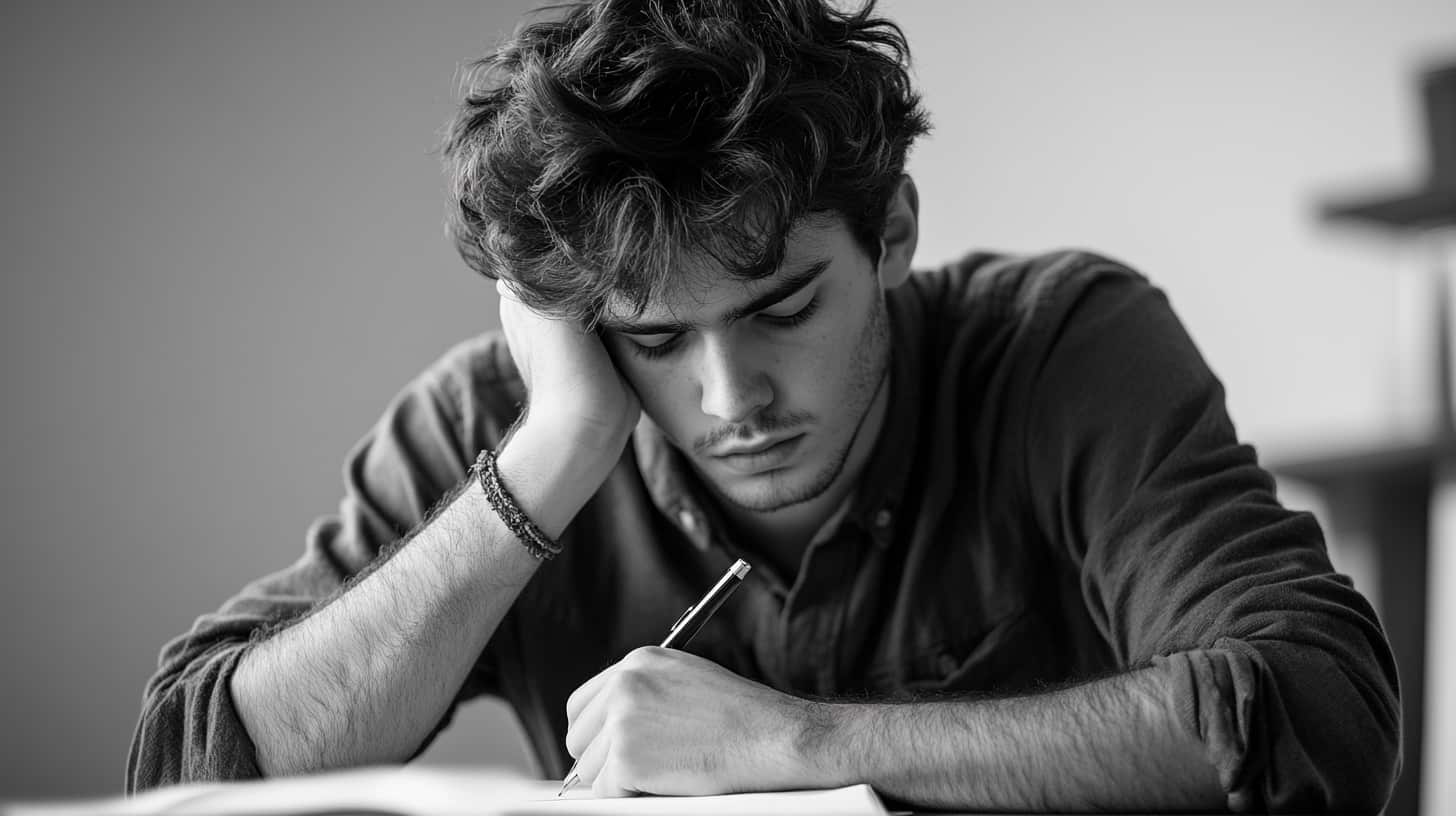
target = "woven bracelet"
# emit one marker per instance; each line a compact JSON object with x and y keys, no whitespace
{"x":504,"y":505}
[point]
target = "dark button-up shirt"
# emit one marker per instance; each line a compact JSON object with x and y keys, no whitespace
{"x":1057,"y":494}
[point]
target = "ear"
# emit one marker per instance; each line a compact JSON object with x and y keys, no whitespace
{"x":902,"y":229}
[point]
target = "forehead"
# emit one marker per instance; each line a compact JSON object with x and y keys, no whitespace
{"x":703,"y":289}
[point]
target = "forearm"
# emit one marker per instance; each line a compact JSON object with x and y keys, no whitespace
{"x":366,"y":677}
{"x":1111,"y":743}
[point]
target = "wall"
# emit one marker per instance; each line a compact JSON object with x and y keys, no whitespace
{"x":224,"y":255}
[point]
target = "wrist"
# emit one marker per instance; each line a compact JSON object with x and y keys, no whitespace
{"x":821,"y":753}
{"x":552,"y":475}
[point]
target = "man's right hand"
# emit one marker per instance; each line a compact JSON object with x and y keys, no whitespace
{"x":574,"y":392}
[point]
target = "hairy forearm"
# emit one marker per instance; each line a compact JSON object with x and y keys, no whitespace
{"x":364,"y":678}
{"x":1110,"y":743}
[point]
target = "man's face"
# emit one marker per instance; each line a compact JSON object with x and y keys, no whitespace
{"x":763,"y":384}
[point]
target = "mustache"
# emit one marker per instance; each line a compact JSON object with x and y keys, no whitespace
{"x":761,"y":426}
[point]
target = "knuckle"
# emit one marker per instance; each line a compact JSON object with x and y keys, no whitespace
{"x":638,"y":657}
{"x":630,"y":688}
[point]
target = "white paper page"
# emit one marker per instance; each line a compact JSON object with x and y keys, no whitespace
{"x":433,"y":791}
{"x":853,"y":801}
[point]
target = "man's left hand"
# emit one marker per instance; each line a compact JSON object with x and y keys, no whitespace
{"x":667,"y":722}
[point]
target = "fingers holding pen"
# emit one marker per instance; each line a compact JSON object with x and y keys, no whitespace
{"x":621,"y":689}
{"x":586,"y":692}
{"x":644,"y":658}
{"x":583,"y":727}
{"x":592,"y":739}
{"x":591,"y":769}
{"x":664,"y":721}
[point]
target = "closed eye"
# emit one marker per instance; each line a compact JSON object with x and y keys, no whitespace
{"x":658,"y":346}
{"x":654,"y":346}
{"x":789,"y":321}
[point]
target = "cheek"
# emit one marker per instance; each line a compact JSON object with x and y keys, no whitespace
{"x":653,"y":382}
{"x":666,"y":393}
{"x":824,"y":366}
{"x":843,"y":369}
{"x":807,"y":373}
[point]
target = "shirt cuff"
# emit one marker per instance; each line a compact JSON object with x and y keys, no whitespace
{"x":1213,"y":692}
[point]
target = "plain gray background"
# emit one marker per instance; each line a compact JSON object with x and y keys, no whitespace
{"x":223,"y":255}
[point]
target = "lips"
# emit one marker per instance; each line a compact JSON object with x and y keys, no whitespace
{"x":760,"y":456}
{"x":751,"y":448}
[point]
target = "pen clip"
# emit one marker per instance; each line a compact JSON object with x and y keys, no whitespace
{"x":681,"y":618}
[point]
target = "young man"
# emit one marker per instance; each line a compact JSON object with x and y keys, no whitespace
{"x":1008,"y":551}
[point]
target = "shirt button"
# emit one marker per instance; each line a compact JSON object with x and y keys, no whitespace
{"x":688,"y":520}
{"x":883,"y":519}
{"x":947,"y":663}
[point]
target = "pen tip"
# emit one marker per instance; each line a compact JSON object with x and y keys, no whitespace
{"x":566,"y":786}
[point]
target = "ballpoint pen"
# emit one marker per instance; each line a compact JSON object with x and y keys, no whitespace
{"x":688,"y":625}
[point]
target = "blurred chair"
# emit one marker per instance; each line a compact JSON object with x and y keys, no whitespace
{"x":1383,"y":494}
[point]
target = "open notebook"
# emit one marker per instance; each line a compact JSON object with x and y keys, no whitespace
{"x":431,"y":791}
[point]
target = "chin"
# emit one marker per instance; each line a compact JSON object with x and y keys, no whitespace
{"x":778,"y":489}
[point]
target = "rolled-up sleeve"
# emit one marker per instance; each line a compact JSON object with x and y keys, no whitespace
{"x":188,"y":729}
{"x":1189,"y":564}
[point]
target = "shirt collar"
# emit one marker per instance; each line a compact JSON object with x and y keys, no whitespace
{"x":876,"y":502}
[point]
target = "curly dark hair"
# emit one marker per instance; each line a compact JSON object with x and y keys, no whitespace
{"x":595,"y":154}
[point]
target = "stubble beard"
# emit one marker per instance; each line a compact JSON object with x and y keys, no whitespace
{"x":870,"y":369}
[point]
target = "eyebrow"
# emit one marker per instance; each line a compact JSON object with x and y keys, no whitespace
{"x":784,"y":289}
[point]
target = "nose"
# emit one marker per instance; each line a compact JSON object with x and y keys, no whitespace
{"x":734,"y":386}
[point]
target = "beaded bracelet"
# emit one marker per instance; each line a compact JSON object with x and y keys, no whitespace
{"x":504,"y":505}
